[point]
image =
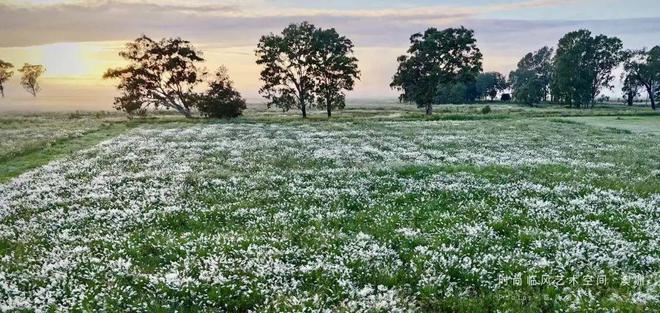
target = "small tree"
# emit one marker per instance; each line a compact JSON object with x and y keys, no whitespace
{"x":289,"y":66}
{"x":436,"y":59}
{"x":221,"y":100}
{"x":336,"y":68}
{"x":644,"y":68}
{"x":160,"y":73}
{"x":5,"y":75}
{"x":30,"y":77}
{"x":490,"y":84}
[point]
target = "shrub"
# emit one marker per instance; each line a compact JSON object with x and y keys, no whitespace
{"x":486,"y":110}
{"x":506,"y":97}
{"x":221,"y":100}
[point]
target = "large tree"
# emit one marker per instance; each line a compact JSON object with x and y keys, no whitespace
{"x":489,"y":84}
{"x":436,"y":59}
{"x":643,"y":67}
{"x":30,"y":77}
{"x":160,"y":73}
{"x":5,"y":74}
{"x":531,"y":79}
{"x":335,"y":69}
{"x":583,"y":65}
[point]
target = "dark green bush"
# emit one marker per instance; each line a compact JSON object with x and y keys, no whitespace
{"x":221,"y":100}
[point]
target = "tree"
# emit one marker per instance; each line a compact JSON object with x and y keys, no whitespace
{"x":289,"y":66}
{"x":644,"y":68}
{"x":490,"y":84}
{"x":630,"y":88}
{"x":30,"y":78}
{"x":436,"y":59}
{"x":335,"y":68}
{"x":221,"y":100}
{"x":531,"y":79}
{"x":160,"y":73}
{"x":5,"y":75}
{"x":583,"y":65}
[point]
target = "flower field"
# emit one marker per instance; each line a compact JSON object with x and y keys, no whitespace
{"x":531,"y":215}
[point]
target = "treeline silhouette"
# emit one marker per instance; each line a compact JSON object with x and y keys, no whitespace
{"x":306,"y":66}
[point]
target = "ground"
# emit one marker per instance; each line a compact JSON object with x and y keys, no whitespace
{"x":522,"y":210}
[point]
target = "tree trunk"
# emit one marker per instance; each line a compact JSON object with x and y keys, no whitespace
{"x":2,"y":91}
{"x":429,"y":109}
{"x":651,"y":96}
{"x":630,"y":99}
{"x":329,"y":112}
{"x":304,"y":110}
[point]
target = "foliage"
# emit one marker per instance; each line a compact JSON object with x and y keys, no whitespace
{"x":530,"y":81}
{"x":455,"y":93}
{"x":30,"y":77}
{"x":436,"y":60}
{"x":486,"y":110}
{"x":643,"y":67}
{"x":160,"y":73}
{"x":505,"y":97}
{"x":336,"y":68}
{"x":489,"y":84}
{"x":5,"y":75}
{"x":583,"y":65}
{"x":221,"y":100}
{"x":306,"y":66}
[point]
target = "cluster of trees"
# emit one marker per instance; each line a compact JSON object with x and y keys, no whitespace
{"x":303,"y":67}
{"x":581,"y":67}
{"x":306,"y":66}
{"x":167,"y":73}
{"x":29,"y":78}
{"x":444,"y":66}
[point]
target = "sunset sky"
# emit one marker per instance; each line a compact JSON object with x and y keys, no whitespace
{"x":78,"y":40}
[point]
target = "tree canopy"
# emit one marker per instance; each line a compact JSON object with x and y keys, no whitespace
{"x":531,"y":79}
{"x":30,"y":77}
{"x":583,"y":65}
{"x":436,"y":60}
{"x":642,"y":67}
{"x":160,"y":73}
{"x":5,"y":74}
{"x":306,"y":66}
{"x":336,"y":68}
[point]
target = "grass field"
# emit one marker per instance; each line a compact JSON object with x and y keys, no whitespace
{"x":521,"y":210}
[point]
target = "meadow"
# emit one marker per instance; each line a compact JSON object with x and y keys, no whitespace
{"x":519,"y":210}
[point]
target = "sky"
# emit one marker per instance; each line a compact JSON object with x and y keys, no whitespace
{"x":78,"y":40}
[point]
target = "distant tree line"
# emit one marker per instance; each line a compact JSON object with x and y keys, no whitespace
{"x":444,"y":66}
{"x":303,"y":67}
{"x":29,"y":77}
{"x":307,"y":67}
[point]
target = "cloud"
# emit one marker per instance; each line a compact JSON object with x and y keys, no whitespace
{"x":234,"y":23}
